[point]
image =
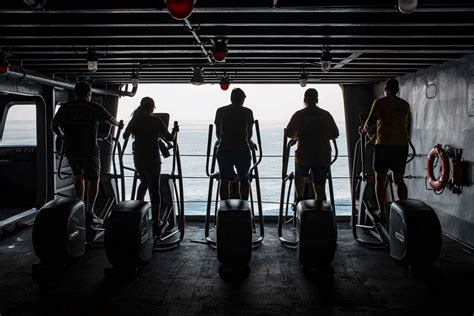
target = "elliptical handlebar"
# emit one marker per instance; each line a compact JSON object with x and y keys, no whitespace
{"x":259,"y":144}
{"x":117,"y":137}
{"x":208,"y":155}
{"x":336,"y":151}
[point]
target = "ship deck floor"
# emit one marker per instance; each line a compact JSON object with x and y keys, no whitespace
{"x":185,"y":281}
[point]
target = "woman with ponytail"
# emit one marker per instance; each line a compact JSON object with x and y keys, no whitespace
{"x":147,"y":130}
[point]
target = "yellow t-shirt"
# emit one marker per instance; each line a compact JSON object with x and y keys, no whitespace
{"x":391,"y":115}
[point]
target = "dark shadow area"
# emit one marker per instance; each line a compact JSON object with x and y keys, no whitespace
{"x":186,"y":281}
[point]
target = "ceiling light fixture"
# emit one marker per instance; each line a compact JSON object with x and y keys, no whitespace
{"x":407,"y":6}
{"x":219,"y":50}
{"x":35,"y":4}
{"x":197,"y":79}
{"x":180,"y":9}
{"x":326,"y":59}
{"x":303,"y":78}
{"x":92,"y":60}
{"x":225,"y":82}
{"x":135,"y":79}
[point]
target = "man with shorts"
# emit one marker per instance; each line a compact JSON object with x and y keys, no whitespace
{"x":391,"y":115}
{"x":77,"y":123}
{"x":313,"y":127}
{"x":234,"y":124}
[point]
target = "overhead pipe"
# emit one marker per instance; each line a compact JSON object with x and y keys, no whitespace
{"x":20,"y":73}
{"x":198,"y":40}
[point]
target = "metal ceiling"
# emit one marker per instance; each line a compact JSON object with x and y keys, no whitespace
{"x":268,"y":41}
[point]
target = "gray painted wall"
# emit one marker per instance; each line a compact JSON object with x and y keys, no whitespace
{"x":443,"y":119}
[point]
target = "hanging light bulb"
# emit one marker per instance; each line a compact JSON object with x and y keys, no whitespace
{"x":326,"y":60}
{"x":92,"y":60}
{"x":197,"y":79}
{"x":407,"y":6}
{"x":180,"y":9}
{"x":225,"y":82}
{"x":135,"y":80}
{"x":4,"y":65}
{"x":219,"y":51}
{"x":303,"y":78}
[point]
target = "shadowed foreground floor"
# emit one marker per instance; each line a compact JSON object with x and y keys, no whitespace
{"x":185,"y":281}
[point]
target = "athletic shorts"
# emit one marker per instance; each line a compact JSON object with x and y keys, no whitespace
{"x":88,"y":167}
{"x":229,"y":158}
{"x":149,"y":175}
{"x":319,"y":174}
{"x":390,"y":157}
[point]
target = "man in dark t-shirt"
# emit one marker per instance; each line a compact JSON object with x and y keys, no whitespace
{"x":313,"y":127}
{"x":234,"y":124}
{"x":77,"y":123}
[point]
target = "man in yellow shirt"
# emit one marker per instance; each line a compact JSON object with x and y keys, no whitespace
{"x":313,"y":127}
{"x":391,"y":115}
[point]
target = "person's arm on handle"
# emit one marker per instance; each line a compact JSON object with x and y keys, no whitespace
{"x":164,"y":134}
{"x":372,"y":118}
{"x":333,"y":128}
{"x":250,"y":123}
{"x":56,"y":124}
{"x":217,"y":123}
{"x":291,"y":129}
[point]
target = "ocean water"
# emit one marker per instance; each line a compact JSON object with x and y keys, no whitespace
{"x":193,"y":144}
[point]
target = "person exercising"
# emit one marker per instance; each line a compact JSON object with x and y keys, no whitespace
{"x":147,"y":130}
{"x":391,"y":115}
{"x":234,"y":124}
{"x":77,"y":123}
{"x":313,"y":127}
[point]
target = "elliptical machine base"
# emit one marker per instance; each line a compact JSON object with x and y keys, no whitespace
{"x":128,"y":239}
{"x":59,"y":247}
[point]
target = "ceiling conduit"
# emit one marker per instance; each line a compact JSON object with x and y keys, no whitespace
{"x":20,"y":73}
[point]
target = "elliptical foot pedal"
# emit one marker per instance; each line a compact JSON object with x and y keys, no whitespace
{"x":234,"y":273}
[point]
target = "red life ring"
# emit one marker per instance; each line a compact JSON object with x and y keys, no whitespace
{"x":440,"y":153}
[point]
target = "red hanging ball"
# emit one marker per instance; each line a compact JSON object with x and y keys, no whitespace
{"x":225,"y":85}
{"x":180,"y":9}
{"x":4,"y":68}
{"x":219,"y":55}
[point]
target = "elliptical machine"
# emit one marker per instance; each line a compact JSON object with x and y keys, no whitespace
{"x":129,"y":241}
{"x":60,"y":234}
{"x":234,"y":219}
{"x":413,"y":232}
{"x":313,"y":222}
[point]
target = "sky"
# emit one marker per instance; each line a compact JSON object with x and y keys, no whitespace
{"x":269,"y":102}
{"x":275,"y":102}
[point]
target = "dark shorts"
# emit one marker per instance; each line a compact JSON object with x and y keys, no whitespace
{"x":88,"y":167}
{"x":149,"y":174}
{"x":390,"y":157}
{"x":228,"y":158}
{"x":319,"y":174}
